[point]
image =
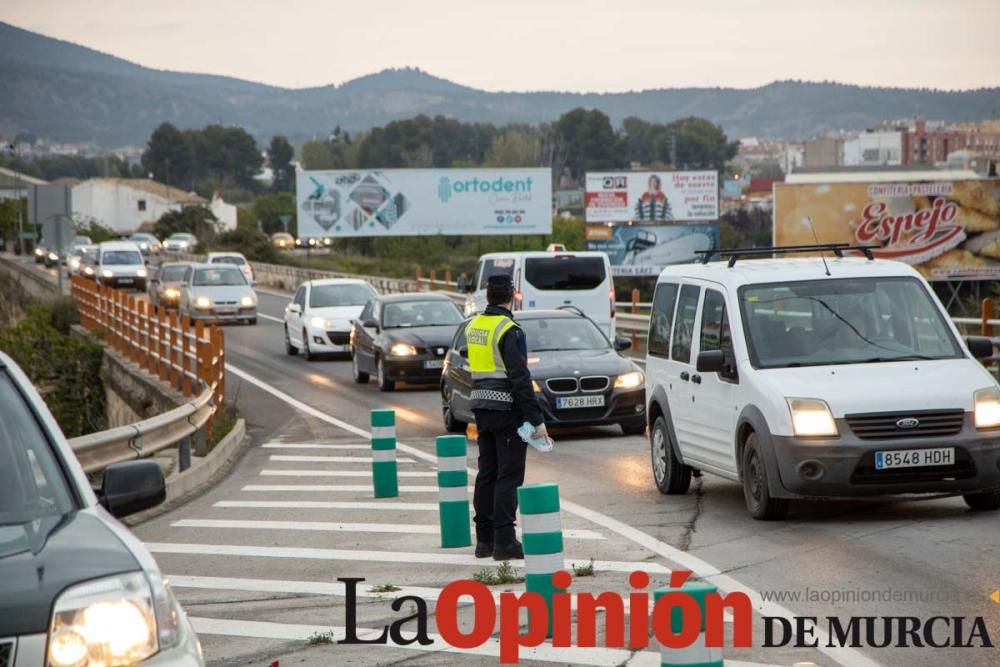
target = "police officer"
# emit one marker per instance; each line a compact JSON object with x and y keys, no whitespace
{"x":502,"y":399}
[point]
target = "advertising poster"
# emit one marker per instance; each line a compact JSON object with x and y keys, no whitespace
{"x":652,"y":196}
{"x":644,"y":250}
{"x":948,"y":230}
{"x":412,"y":202}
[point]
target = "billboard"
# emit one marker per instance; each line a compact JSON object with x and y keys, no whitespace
{"x":948,"y":230}
{"x":652,"y":196}
{"x":643,"y":250}
{"x":412,"y":202}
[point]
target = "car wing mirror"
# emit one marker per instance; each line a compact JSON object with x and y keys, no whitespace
{"x":295,"y":308}
{"x":622,"y":343}
{"x":463,"y":352}
{"x":132,"y":486}
{"x":980,"y":347}
{"x":370,"y":323}
{"x":711,"y":361}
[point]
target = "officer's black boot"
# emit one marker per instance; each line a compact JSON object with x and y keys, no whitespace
{"x":484,"y":549}
{"x":508,"y":550}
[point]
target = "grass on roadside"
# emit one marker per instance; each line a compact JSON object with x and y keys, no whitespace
{"x":319,"y":638}
{"x":222,"y":423}
{"x":502,"y":574}
{"x":384,"y":588}
{"x":584,"y":570}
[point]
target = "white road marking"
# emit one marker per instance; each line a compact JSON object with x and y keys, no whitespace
{"x":408,"y":557}
{"x":272,"y":292}
{"x":339,"y":473}
{"x":403,"y":488}
{"x":330,"y":459}
{"x":726,"y":584}
{"x":269,"y":317}
{"x":329,"y":505}
{"x":341,"y":527}
{"x":310,"y":445}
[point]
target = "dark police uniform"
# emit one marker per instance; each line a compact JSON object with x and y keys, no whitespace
{"x":502,"y":400}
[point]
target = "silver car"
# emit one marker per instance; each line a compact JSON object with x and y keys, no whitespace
{"x":180,"y":242}
{"x":218,"y":292}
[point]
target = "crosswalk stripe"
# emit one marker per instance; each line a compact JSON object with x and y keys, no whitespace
{"x":409,"y":557}
{"x":301,"y":632}
{"x":330,"y":459}
{"x":339,"y":473}
{"x":337,"y":487}
{"x":312,"y":445}
{"x":329,"y":505}
{"x":339,"y":526}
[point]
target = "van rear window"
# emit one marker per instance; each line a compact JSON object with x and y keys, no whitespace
{"x":565,"y":272}
{"x":496,"y":267}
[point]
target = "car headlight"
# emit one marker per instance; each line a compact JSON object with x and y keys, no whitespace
{"x":39,"y":251}
{"x":53,"y":256}
{"x":537,"y":387}
{"x":320,"y":323}
{"x":629,"y":380}
{"x":171,"y":293}
{"x":108,"y":273}
{"x":75,"y":263}
{"x":402,"y":350}
{"x":183,"y":244}
{"x":987,"y":411}
{"x":88,"y":270}
{"x":248,"y":301}
{"x":144,"y":246}
{"x":115,"y":622}
{"x":202,"y":302}
{"x":141,"y":273}
{"x":811,"y":417}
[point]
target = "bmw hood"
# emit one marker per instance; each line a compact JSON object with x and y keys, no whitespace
{"x":544,"y":364}
{"x":424,"y":336}
{"x":940,"y":384}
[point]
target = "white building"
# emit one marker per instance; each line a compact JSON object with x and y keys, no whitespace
{"x":225,"y":213}
{"x":792,"y":158}
{"x":874,"y":148}
{"x":126,"y":204}
{"x":14,"y":184}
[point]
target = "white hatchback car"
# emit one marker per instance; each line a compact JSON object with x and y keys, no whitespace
{"x":318,"y":318}
{"x":805,"y":382}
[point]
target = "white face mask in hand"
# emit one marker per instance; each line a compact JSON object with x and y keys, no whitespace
{"x":537,"y":437}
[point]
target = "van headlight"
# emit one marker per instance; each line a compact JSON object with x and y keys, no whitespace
{"x":248,"y":301}
{"x":107,"y":273}
{"x":402,"y":350}
{"x":811,"y":417}
{"x":114,"y":622}
{"x":987,"y":410}
{"x":202,"y":302}
{"x":629,"y":380}
{"x":141,"y":273}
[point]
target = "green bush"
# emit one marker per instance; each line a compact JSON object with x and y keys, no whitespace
{"x":247,"y":240}
{"x":191,"y":220}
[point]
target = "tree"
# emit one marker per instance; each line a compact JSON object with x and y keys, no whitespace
{"x":195,"y":220}
{"x":280,"y":154}
{"x":699,"y":145}
{"x":590,"y":141}
{"x":514,"y":148}
{"x":268,"y":209}
{"x":169,"y":156}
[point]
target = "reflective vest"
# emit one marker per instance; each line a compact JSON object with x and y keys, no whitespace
{"x":491,"y":389}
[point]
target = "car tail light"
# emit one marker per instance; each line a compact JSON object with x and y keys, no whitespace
{"x":611,"y":296}
{"x":518,"y":298}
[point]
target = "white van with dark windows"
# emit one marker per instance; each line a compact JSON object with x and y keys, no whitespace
{"x":551,"y":280}
{"x":817,"y":378}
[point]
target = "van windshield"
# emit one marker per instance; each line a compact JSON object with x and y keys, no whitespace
{"x":844,"y":321}
{"x":121,"y":258}
{"x":564,"y":272}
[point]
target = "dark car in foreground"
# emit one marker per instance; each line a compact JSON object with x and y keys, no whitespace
{"x":580,"y":377}
{"x":403,"y":338}
{"x":76,"y":587}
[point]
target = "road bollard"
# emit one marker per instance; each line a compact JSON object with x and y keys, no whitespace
{"x":384,"y":478}
{"x":697,"y":654}
{"x":541,"y":532}
{"x":453,"y":485}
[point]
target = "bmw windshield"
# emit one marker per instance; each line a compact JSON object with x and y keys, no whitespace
{"x":844,"y":321}
{"x":562,"y":333}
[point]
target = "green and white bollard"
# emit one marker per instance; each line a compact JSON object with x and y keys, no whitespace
{"x":541,"y":533}
{"x":384,"y":477}
{"x":697,"y":654}
{"x":453,"y":489}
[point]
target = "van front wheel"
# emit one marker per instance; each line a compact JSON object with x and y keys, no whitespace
{"x":756,"y":492}
{"x":672,"y":477}
{"x":983,"y":502}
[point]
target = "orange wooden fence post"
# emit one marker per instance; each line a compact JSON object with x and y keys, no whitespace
{"x":185,"y":349}
{"x":174,"y":380}
{"x":418,"y":277}
{"x":987,"y":313}
{"x":163,"y":338}
{"x":447,"y":276}
{"x":635,"y":300}
{"x":434,"y":277}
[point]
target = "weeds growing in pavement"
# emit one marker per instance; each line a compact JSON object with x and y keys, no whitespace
{"x":584,"y":570}
{"x":325,"y":637}
{"x":503,"y":574}
{"x":384,"y":588}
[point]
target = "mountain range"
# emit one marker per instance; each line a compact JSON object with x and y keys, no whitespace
{"x":68,"y":92}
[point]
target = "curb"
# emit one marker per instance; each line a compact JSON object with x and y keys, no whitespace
{"x":201,"y":471}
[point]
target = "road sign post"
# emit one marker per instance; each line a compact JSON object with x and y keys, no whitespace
{"x":541,"y":528}
{"x":453,"y":485}
{"x":384,"y":477}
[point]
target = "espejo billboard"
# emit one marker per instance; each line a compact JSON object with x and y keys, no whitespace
{"x":411,"y":202}
{"x":652,"y":196}
{"x":948,"y":230}
{"x":644,"y":250}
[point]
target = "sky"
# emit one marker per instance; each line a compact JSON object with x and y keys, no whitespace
{"x":569,"y":45}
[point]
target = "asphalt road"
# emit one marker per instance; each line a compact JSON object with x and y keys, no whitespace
{"x":254,"y":601}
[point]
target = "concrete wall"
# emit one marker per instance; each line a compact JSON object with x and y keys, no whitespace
{"x":133,"y":395}
{"x":37,"y":284}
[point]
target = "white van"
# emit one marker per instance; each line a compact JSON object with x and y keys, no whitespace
{"x":120,"y":264}
{"x":551,"y":280}
{"x":800,"y":381}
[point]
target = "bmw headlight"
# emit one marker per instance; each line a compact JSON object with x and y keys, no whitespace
{"x":112,"y":622}
{"x":987,"y":411}
{"x":629,"y":380}
{"x":537,"y":387}
{"x":402,"y":350}
{"x":202,"y":302}
{"x":811,"y":417}
{"x":248,"y":301}
{"x":320,"y":323}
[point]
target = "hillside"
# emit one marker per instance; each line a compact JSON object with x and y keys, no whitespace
{"x":71,"y":93}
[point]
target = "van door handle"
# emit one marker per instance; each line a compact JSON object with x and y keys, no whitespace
{"x":685,"y":376}
{"x":696,"y":379}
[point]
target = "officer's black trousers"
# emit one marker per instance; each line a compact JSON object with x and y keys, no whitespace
{"x":501,"y":470}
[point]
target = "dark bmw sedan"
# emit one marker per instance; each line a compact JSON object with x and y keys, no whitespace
{"x":403,"y":338}
{"x":77,"y":589}
{"x":580,"y":378}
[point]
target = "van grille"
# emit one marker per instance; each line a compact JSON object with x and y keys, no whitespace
{"x":883,"y":425}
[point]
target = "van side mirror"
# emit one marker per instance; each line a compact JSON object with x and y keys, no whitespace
{"x":132,"y":486}
{"x":711,"y":361}
{"x":622,"y":343}
{"x":980,"y":347}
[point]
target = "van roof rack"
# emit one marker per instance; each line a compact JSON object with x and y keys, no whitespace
{"x":735,"y":253}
